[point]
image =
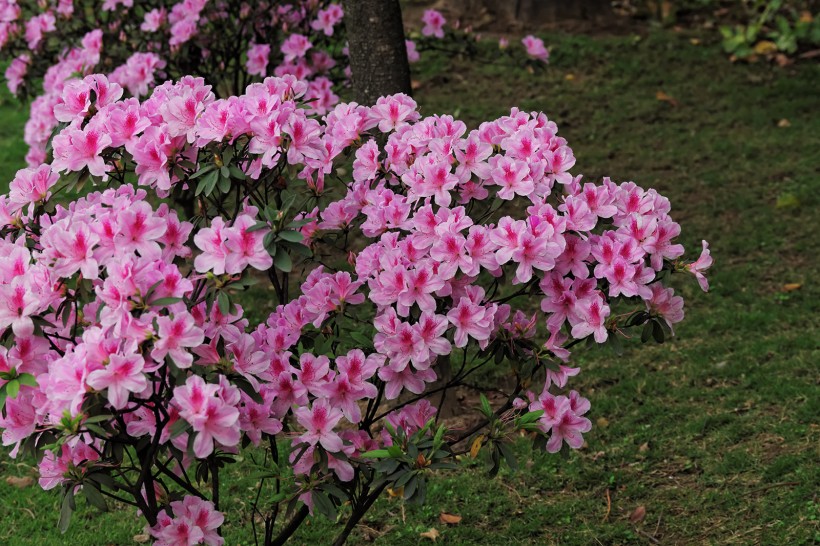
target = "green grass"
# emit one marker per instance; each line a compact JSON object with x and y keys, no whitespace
{"x":715,"y":433}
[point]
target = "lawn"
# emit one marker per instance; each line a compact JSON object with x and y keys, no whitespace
{"x":714,"y":434}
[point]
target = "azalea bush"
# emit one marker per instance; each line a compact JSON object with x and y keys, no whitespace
{"x":230,"y":43}
{"x":408,"y":256}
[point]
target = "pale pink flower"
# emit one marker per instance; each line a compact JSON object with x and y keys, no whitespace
{"x":120,"y":377}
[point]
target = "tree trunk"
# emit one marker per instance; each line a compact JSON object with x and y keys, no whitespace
{"x":378,"y":55}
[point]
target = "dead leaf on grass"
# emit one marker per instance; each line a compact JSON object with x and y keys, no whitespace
{"x":644,"y":447}
{"x":792,"y":286}
{"x":20,"y":482}
{"x":449,"y":519}
{"x":663,"y":97}
{"x":432,"y":534}
{"x":765,"y":47}
{"x":784,"y":123}
{"x":476,"y":446}
{"x":141,"y":538}
{"x":637,"y":514}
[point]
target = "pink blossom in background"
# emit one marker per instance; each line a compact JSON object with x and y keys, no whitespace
{"x":412,"y":54}
{"x":535,"y":48}
{"x":434,"y":23}
{"x":16,"y":71}
{"x":257,"y":62}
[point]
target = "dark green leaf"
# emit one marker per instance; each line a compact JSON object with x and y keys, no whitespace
{"x":323,"y":504}
{"x":94,"y":497}
{"x":224,"y":303}
{"x":205,"y":170}
{"x":164,"y":302}
{"x":485,"y":406}
{"x":257,"y":226}
{"x":207,"y":184}
{"x":283,"y":262}
{"x":225,"y":182}
{"x":509,"y":456}
{"x":376,"y":454}
{"x":66,"y":509}
{"x":179,"y":426}
{"x":292,"y":236}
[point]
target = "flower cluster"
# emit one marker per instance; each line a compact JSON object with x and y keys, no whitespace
{"x":119,"y":321}
{"x":229,"y":44}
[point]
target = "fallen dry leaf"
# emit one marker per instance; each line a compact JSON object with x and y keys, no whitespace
{"x":602,"y":422}
{"x":792,"y":286}
{"x":784,"y":123}
{"x":569,"y":77}
{"x":694,"y":41}
{"x":476,"y":446}
{"x":638,"y":514}
{"x":141,"y":538}
{"x":663,"y":97}
{"x":765,"y":47}
{"x":395,"y":492}
{"x":810,"y":54}
{"x":449,"y":519}
{"x":644,"y":447}
{"x":415,"y":84}
{"x":432,"y":534}
{"x":806,"y":17}
{"x":20,"y":482}
{"x":782,"y":60}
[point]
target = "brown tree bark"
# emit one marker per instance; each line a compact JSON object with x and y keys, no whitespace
{"x":378,"y":56}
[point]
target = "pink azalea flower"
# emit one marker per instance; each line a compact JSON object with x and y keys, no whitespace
{"x":257,"y":63}
{"x":470,"y":319}
{"x":175,"y":335}
{"x":32,"y":185}
{"x":589,"y":317}
{"x":121,"y":376}
{"x":703,"y":263}
{"x":76,"y":149}
{"x":434,"y":23}
{"x":318,"y":422}
{"x":535,"y":48}
{"x":245,"y":248}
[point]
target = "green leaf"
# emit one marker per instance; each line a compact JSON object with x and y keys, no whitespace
{"x":66,"y":509}
{"x":509,"y":456}
{"x":323,"y":504}
{"x":257,"y":226}
{"x":486,"y":409}
{"x":531,"y":417}
{"x":657,"y":332}
{"x":646,"y":333}
{"x":236,"y":172}
{"x":27,"y":379}
{"x":291,"y":236}
{"x":201,"y":172}
{"x":283,"y":262}
{"x":225,"y":182}
{"x":94,"y":497}
{"x":207,"y":184}
{"x":12,"y":388}
{"x":361,"y":339}
{"x":224,"y":303}
{"x":103,"y":479}
{"x":164,"y":302}
{"x":179,"y":426}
